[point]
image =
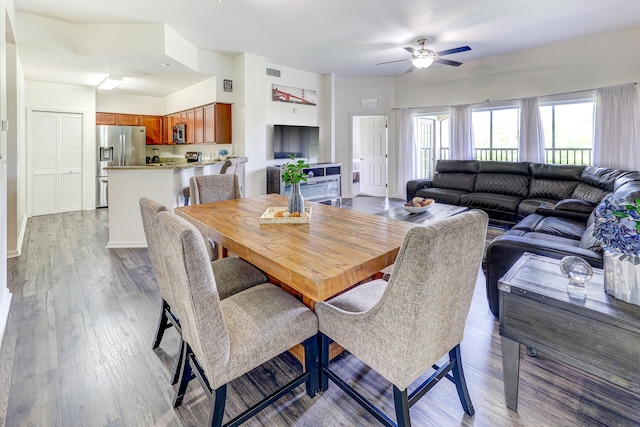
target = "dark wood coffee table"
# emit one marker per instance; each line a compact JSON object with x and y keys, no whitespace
{"x":436,"y":212}
{"x":598,"y":334}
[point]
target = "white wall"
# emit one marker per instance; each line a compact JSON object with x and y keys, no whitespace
{"x":16,"y":154}
{"x":199,"y":94}
{"x":7,"y":17}
{"x":349,"y":95}
{"x":109,"y":102}
{"x":586,"y":63}
{"x":284,"y":113}
{"x":41,"y":96}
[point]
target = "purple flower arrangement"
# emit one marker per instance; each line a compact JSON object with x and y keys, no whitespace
{"x":617,"y":225}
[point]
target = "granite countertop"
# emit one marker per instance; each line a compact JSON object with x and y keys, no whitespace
{"x":171,"y":166}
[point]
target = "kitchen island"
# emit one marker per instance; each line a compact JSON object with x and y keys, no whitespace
{"x":163,"y":182}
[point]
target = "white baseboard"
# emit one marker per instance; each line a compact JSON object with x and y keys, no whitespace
{"x":5,"y":303}
{"x":18,"y":251}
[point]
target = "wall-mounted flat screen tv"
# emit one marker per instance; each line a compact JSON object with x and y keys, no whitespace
{"x":302,"y":141}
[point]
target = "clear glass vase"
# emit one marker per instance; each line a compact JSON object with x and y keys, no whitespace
{"x":296,"y":201}
{"x":622,"y":276}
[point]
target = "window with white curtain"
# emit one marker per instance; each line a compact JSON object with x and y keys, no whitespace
{"x":568,"y":131}
{"x":495,"y":133}
{"x":567,"y":121}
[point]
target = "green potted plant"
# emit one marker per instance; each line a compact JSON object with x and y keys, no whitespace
{"x":293,"y":174}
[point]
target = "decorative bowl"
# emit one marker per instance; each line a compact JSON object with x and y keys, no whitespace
{"x":417,"y":209}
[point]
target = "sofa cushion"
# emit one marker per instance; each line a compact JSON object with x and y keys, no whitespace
{"x":441,"y":195}
{"x":516,"y":168}
{"x":492,"y":201}
{"x":528,"y":223}
{"x":588,"y":192}
{"x":557,"y":172}
{"x":575,"y":205}
{"x":454,"y":181}
{"x":550,"y":238}
{"x":551,"y":189}
{"x":603,"y":178}
{"x":530,"y":206}
{"x":561,"y":227}
{"x":457,"y":166}
{"x":502,"y":183}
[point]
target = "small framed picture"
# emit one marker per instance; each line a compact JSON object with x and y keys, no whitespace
{"x":227,"y":85}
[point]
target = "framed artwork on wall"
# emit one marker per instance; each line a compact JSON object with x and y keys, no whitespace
{"x":293,"y":95}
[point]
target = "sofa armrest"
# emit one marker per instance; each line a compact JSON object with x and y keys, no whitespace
{"x":505,"y":250}
{"x":575,"y":209}
{"x":417,"y":184}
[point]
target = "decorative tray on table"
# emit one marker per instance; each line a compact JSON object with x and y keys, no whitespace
{"x":269,"y":216}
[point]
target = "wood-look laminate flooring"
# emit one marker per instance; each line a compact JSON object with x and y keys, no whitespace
{"x":77,"y":352}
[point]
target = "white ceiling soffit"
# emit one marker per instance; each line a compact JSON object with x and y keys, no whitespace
{"x":149,"y":56}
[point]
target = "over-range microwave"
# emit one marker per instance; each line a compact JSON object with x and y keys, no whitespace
{"x":179,"y":134}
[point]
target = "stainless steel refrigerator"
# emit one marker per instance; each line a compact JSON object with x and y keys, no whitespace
{"x":117,"y":146}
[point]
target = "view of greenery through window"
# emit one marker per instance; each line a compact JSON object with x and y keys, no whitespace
{"x":568,"y":134}
{"x":495,"y":134}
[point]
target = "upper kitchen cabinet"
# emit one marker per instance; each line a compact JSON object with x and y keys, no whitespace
{"x":117,"y":119}
{"x":168,"y":122}
{"x":154,"y":129}
{"x":128,"y":120}
{"x":217,"y":123}
{"x":199,"y":125}
{"x":191,"y":126}
{"x":152,"y":123}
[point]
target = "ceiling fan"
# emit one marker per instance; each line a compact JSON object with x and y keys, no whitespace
{"x":423,"y":57}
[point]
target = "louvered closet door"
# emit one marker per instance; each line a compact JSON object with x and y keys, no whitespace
{"x":56,"y":163}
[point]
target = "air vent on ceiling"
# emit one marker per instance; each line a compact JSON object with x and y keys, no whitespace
{"x":273,"y":72}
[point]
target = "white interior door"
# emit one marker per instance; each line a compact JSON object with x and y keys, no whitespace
{"x":373,"y":156}
{"x":70,"y":170}
{"x":56,"y":182}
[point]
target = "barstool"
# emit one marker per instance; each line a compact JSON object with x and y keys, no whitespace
{"x":186,"y":193}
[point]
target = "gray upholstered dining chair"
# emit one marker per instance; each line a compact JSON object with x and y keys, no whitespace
{"x":228,"y":338}
{"x":234,"y":275}
{"x":401,"y":328}
{"x":214,"y":188}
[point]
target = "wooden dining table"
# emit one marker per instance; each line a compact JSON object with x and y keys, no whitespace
{"x":336,"y":250}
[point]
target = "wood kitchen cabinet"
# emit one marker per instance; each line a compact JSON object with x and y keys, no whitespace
{"x":199,"y":125}
{"x":217,"y":123}
{"x":154,"y":124}
{"x":191,"y":126}
{"x":168,"y":122}
{"x":115,"y":119}
{"x":154,"y":129}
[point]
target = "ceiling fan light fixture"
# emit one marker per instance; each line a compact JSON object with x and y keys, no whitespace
{"x":422,"y":62}
{"x":110,"y":83}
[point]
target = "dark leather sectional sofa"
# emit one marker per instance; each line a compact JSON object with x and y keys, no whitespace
{"x":547,"y":208}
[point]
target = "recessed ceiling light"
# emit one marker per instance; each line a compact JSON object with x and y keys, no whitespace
{"x":110,"y":82}
{"x":167,"y":64}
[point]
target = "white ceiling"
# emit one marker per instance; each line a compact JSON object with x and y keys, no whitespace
{"x":344,"y":37}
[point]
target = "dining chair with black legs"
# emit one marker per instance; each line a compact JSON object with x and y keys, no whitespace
{"x":234,"y":275}
{"x":402,"y":328}
{"x":228,"y":338}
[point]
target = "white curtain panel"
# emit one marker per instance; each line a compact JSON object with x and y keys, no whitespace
{"x":531,"y":142}
{"x":461,"y":133}
{"x":407,"y":154}
{"x":617,"y":127}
